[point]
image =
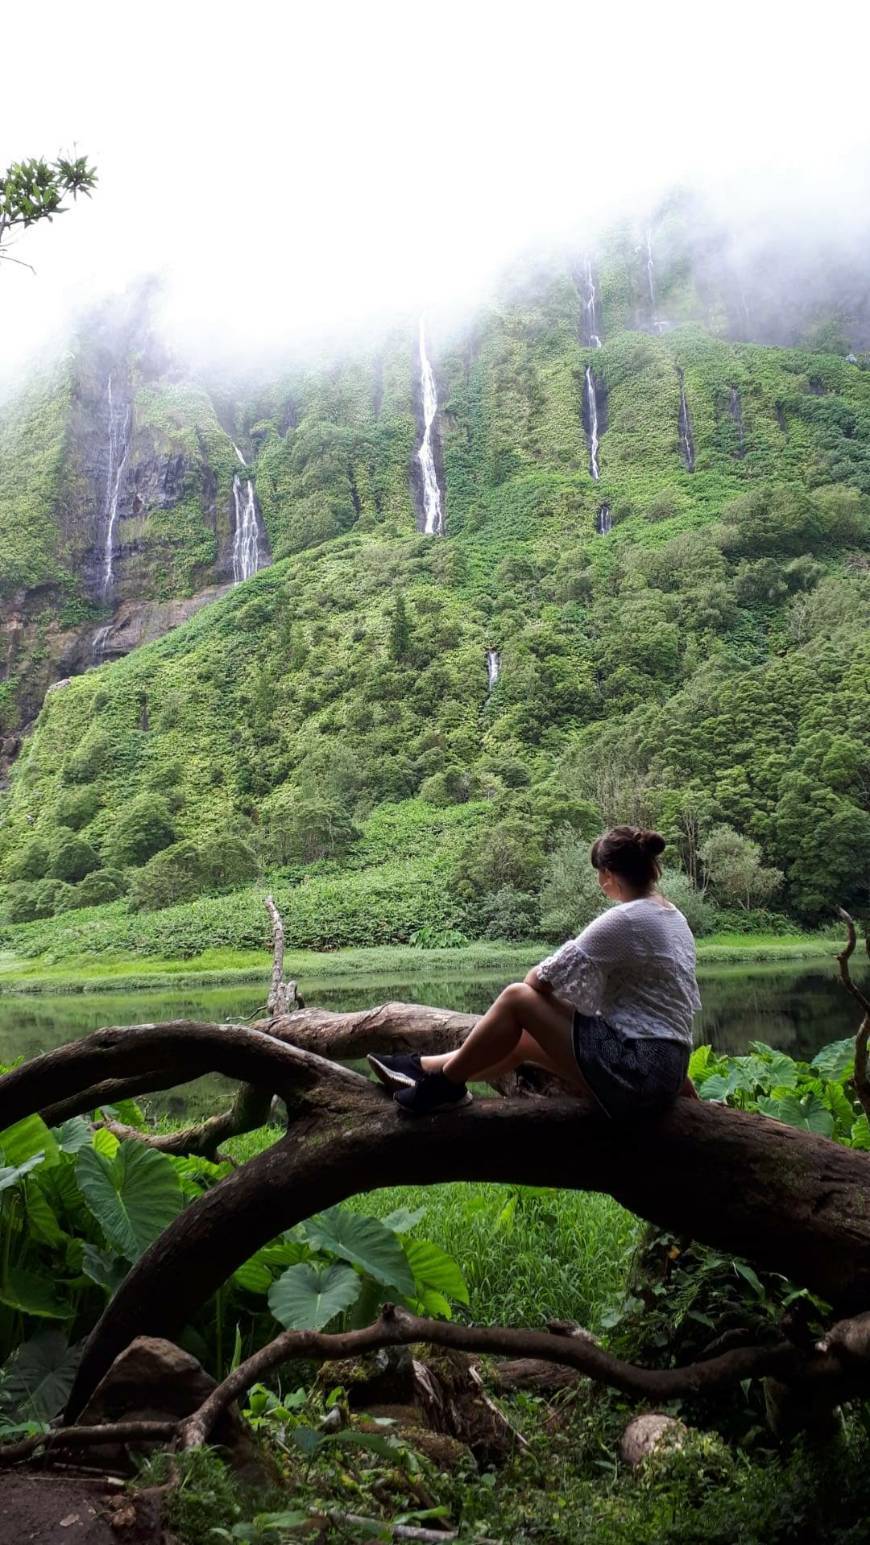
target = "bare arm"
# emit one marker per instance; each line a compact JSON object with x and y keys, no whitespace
{"x":532,"y":979}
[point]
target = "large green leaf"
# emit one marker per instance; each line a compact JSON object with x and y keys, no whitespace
{"x":257,"y":1273}
{"x":861,"y":1133}
{"x":365,"y":1242}
{"x":307,"y":1297}
{"x":73,"y":1134}
{"x":37,"y":1379}
{"x":30,"y":1293}
{"x":810,"y":1114}
{"x":26,"y":1138}
{"x":10,"y":1174}
{"x":106,"y":1270}
{"x":434,"y":1268}
{"x":42,"y":1222}
{"x":837,"y":1060}
{"x":133,"y":1196}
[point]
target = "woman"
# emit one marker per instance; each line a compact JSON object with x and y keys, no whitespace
{"x":610,"y":1012}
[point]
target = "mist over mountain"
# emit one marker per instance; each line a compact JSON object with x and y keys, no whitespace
{"x":401,"y":623}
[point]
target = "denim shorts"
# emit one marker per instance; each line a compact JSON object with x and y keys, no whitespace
{"x":629,"y":1075}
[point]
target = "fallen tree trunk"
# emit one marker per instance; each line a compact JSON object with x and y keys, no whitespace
{"x":786,"y":1199}
{"x":783,"y":1198}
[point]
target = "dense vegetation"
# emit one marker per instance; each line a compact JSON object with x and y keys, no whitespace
{"x":77,"y":1208}
{"x":328,"y":726}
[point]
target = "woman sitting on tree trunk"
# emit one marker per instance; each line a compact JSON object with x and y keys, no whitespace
{"x":610,"y":1012}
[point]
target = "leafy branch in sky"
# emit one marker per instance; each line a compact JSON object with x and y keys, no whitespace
{"x":36,"y":190}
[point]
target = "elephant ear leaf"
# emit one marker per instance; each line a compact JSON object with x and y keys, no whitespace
{"x":133,"y":1196}
{"x":364,"y":1242}
{"x":307,"y":1297}
{"x":38,"y":1378}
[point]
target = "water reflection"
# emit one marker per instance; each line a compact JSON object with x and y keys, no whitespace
{"x":796,"y":1010}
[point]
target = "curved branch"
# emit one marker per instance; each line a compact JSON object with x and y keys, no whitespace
{"x":168,"y":1054}
{"x":84,"y":1437}
{"x":249,"y":1111}
{"x":860,"y":1077}
{"x":800,"y":1206}
{"x":397,"y":1327}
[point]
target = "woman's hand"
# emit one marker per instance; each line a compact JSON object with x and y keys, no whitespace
{"x":532,"y":979}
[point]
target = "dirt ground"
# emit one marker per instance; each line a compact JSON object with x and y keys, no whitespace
{"x":43,"y":1509}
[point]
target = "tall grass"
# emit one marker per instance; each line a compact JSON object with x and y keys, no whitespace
{"x":528,"y":1255}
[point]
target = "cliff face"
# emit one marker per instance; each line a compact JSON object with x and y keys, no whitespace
{"x":691,"y":658}
{"x":116,"y":496}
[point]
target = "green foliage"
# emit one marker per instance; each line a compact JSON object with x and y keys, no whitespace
{"x":35,"y":190}
{"x":72,"y":858}
{"x":570,"y":894}
{"x":734,"y":868}
{"x":706,"y":655}
{"x":141,"y":830}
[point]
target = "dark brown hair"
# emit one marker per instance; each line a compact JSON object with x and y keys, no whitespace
{"x":630,"y":852}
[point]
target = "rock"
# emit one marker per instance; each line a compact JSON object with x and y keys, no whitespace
{"x":645,"y":1435}
{"x":154,"y":1380}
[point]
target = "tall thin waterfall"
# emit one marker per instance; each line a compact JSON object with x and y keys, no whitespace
{"x":590,"y":329}
{"x":118,"y":418}
{"x":687,"y":444}
{"x":590,"y":415}
{"x":246,"y":535}
{"x":493,"y":667}
{"x":433,"y":518}
{"x":604,"y":520}
{"x":651,"y":282}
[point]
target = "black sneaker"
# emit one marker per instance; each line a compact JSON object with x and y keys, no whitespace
{"x":432,"y":1093}
{"x":396,"y":1072}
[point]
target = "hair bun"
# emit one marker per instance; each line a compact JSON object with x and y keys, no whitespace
{"x":651,"y":842}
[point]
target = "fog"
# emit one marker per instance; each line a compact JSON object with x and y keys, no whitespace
{"x":316,"y":172}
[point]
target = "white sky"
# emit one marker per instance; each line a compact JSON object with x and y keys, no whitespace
{"x":306,"y":169}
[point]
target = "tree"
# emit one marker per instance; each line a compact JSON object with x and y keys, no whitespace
{"x":400,"y":629}
{"x":570,"y":893}
{"x":733,"y":865}
{"x":35,"y":190}
{"x":143,"y":830}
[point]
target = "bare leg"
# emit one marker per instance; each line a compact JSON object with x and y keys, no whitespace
{"x":498,"y":1040}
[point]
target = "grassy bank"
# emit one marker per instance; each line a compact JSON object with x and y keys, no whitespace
{"x":388,"y":963}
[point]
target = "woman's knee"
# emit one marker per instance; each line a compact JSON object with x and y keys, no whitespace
{"x":517,"y":996}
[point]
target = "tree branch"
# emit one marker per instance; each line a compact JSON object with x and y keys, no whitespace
{"x":397,"y":1327}
{"x":84,"y":1437}
{"x":860,"y":1078}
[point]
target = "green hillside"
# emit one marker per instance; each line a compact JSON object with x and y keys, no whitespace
{"x":328,"y":724}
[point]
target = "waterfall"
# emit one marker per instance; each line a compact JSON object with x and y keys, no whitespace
{"x":604,"y":520}
{"x":493,"y":667}
{"x":687,"y":445}
{"x":99,"y":643}
{"x":737,"y":415}
{"x":590,"y":420}
{"x":433,"y":519}
{"x":118,"y":434}
{"x":651,"y":282}
{"x":590,"y":329}
{"x":246,"y":534}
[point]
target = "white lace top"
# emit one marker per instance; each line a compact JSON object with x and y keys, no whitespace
{"x":635,"y":966}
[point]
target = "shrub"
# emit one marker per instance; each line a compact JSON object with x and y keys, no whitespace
{"x":144,"y":828}
{"x":171,"y":876}
{"x":97,"y":888}
{"x":570,"y":894}
{"x":226,"y":860}
{"x":76,"y":807}
{"x":509,"y":914}
{"x":306,"y":827}
{"x":51,"y":896}
{"x":700,"y":914}
{"x":30,"y":862}
{"x":72,"y":858}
